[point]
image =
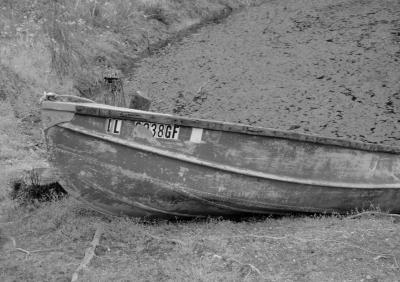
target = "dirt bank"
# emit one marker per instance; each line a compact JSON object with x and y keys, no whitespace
{"x":323,"y":67}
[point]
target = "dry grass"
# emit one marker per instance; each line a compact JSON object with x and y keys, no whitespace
{"x":65,"y":47}
{"x":281,"y":249}
{"x":47,"y":46}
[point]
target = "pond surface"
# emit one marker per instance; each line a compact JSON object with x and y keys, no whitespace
{"x":329,"y":67}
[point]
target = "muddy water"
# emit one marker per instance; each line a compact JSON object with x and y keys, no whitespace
{"x":330,"y":68}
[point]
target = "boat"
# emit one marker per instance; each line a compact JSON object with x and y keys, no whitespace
{"x":123,"y":161}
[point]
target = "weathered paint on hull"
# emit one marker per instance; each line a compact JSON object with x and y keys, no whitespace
{"x":138,"y":175}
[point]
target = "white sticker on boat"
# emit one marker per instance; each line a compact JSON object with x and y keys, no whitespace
{"x":160,"y":130}
{"x":113,"y":126}
{"x":197,"y":134}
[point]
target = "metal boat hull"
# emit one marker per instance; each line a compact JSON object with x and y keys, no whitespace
{"x":209,"y":171}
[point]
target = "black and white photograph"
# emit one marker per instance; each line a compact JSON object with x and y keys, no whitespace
{"x":200,"y":140}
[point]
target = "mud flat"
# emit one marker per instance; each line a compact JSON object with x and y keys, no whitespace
{"x":321,"y":67}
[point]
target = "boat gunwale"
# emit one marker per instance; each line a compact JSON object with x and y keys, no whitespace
{"x":102,"y":110}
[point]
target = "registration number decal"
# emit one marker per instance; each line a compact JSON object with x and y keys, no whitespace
{"x":160,"y":130}
{"x":113,"y":126}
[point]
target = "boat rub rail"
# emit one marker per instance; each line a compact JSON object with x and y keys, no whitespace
{"x":101,"y":110}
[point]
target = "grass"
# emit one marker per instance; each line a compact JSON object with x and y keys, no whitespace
{"x":66,"y":47}
{"x":31,"y":191}
{"x":317,"y":248}
{"x":63,"y":47}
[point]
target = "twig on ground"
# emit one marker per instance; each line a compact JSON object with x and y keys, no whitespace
{"x":202,"y":87}
{"x":23,"y":251}
{"x":89,"y":253}
{"x":30,"y":252}
{"x":37,"y":251}
{"x":260,"y":237}
{"x":395,"y":262}
{"x":46,"y":250}
{"x":14,"y":245}
{"x":175,"y":241}
{"x":373,"y":213}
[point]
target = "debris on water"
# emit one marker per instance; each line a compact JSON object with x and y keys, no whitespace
{"x":293,"y":127}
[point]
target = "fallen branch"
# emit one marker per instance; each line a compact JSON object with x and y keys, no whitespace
{"x":373,"y":213}
{"x":89,"y":253}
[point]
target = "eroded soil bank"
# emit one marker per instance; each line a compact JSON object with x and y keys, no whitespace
{"x":322,"y":67}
